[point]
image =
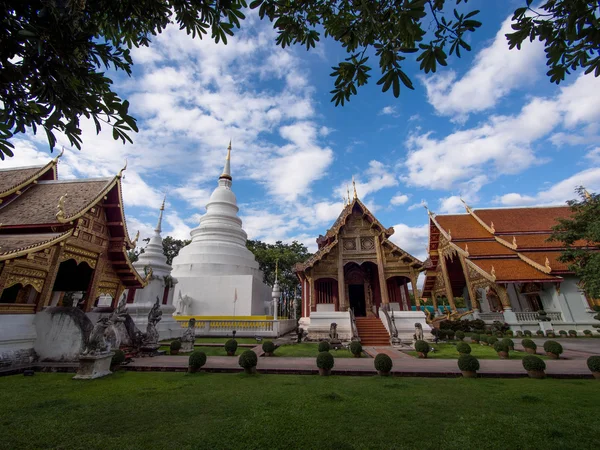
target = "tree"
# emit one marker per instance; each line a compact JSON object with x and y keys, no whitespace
{"x":286,"y":256}
{"x":172,"y":246}
{"x":580,"y":235}
{"x":53,"y":52}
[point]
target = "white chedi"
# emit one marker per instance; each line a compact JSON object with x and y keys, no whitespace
{"x":217,"y":274}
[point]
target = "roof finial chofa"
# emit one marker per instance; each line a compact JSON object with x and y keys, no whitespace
{"x":354,"y":187}
{"x":467,"y":207}
{"x":60,"y":215}
{"x":587,"y":195}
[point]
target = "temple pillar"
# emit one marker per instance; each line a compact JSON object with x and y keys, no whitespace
{"x":470,"y":288}
{"x":93,"y":285}
{"x":504,"y":298}
{"x":413,"y":282}
{"x":434,"y":302}
{"x":313,"y":294}
{"x":341,"y":290}
{"x":46,"y":294}
{"x":380,"y":271}
{"x":448,"y":286}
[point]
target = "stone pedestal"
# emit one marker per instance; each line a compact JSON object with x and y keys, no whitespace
{"x":94,"y":366}
{"x":187,"y":347}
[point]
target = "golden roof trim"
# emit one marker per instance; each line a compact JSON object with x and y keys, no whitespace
{"x":32,"y":178}
{"x":16,"y":253}
{"x":110,"y":184}
{"x":544,"y":269}
{"x":471,"y":212}
{"x":489,"y":276}
{"x":507,"y":244}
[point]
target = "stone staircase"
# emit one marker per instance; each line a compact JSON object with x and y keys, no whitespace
{"x":372,"y":332}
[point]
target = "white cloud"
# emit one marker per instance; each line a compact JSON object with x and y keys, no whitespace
{"x":594,"y":155}
{"x":495,"y":72}
{"x":399,"y":199}
{"x":414,"y":206}
{"x":451,"y":205}
{"x":412,"y":239}
{"x":559,"y":193}
{"x":389,"y":111}
{"x":378,"y":176}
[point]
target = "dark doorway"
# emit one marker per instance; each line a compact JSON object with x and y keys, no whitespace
{"x":356,"y":292}
{"x":72,"y":276}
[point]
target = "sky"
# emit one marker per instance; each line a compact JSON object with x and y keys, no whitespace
{"x":489,"y":128}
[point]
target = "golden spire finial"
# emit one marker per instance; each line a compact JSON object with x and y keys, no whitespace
{"x":515,"y":241}
{"x":120,"y":174}
{"x":467,"y":248}
{"x":467,"y":207}
{"x":493,"y":272}
{"x":60,"y":215}
{"x":587,"y":195}
{"x":492,"y":227}
{"x":227,"y":168}
{"x":348,"y":191}
{"x":449,"y":234}
{"x":354,"y":187}
{"x":547,"y":263}
{"x":344,"y":201}
{"x":229,"y":150}
{"x":137,"y":236}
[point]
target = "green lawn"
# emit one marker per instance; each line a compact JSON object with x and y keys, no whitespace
{"x":210,"y":351}
{"x":218,"y":340}
{"x":307,"y":350}
{"x":131,"y":410}
{"x":448,"y":351}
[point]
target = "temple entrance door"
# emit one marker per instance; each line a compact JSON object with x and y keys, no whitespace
{"x":356,"y":292}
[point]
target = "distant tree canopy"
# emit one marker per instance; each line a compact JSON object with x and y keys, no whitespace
{"x":583,"y":226}
{"x":171,"y":248}
{"x":288,"y":256}
{"x":53,"y":53}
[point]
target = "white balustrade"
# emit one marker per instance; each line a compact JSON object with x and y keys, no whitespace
{"x":248,"y":328}
{"x":492,"y":316}
{"x":534,"y":318}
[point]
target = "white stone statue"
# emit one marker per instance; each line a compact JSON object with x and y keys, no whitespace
{"x":189,"y":337}
{"x":184,"y":305}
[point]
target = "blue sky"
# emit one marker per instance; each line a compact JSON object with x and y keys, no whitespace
{"x":490,"y":128}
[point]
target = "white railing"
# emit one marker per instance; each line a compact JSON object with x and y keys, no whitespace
{"x":533,"y":316}
{"x":492,"y":316}
{"x":355,"y":336}
{"x":243,"y":328}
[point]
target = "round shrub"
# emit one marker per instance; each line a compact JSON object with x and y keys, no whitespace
{"x":248,"y":359}
{"x":488,"y":332}
{"x":442,"y":334}
{"x":483,"y":340}
{"x":450,"y":334}
{"x":519,"y":333}
{"x":475,"y":338}
{"x":355,"y":348}
{"x":197,"y":359}
{"x":479,"y":331}
{"x":231,"y":346}
{"x":499,"y":334}
{"x":553,"y":347}
{"x":501,"y":346}
{"x":562,"y":333}
{"x":468,"y":363}
{"x":463,"y":347}
{"x":550,"y":333}
{"x":527,"y":333}
{"x":118,"y":358}
{"x":509,"y":343}
{"x":268,"y":347}
{"x":587,"y":332}
{"x":492,"y":340}
{"x":572,"y":333}
{"x":528,"y":343}
{"x":531,"y":362}
{"x":325,"y":360}
{"x":422,"y":347}
{"x":539,"y":333}
{"x":175,"y":345}
{"x":460,"y":335}
{"x":324,"y":346}
{"x":383,"y":363}
{"x":509,"y":333}
{"x":593,"y":363}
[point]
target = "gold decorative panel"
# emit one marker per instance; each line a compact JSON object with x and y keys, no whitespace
{"x":367,"y":243}
{"x":349,"y":244}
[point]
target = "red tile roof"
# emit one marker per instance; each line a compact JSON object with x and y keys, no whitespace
{"x":540,"y":258}
{"x":485,"y":248}
{"x":515,"y":220}
{"x":513,"y":270}
{"x":462,"y":226}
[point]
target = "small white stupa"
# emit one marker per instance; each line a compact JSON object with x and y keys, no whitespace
{"x":217,"y":275}
{"x":161,"y":286}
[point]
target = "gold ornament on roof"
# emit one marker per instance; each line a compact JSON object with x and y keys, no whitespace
{"x":60,"y":215}
{"x":587,"y":195}
{"x":467,"y":207}
{"x":354,"y":187}
{"x":515,"y":241}
{"x":467,"y":248}
{"x":137,"y":236}
{"x":59,"y":155}
{"x":547,"y":263}
{"x":493,"y":272}
{"x":348,"y":191}
{"x":492,"y":227}
{"x":449,"y":235}
{"x":120,"y":174}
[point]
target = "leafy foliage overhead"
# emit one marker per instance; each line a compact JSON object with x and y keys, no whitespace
{"x":582,"y":227}
{"x":54,"y":53}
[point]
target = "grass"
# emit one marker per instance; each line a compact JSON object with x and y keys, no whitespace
{"x":210,"y":351}
{"x":131,"y":410}
{"x":306,"y":350}
{"x":218,"y":340}
{"x":448,"y":351}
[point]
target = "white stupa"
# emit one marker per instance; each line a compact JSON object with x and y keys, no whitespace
{"x":217,"y":273}
{"x":161,"y":286}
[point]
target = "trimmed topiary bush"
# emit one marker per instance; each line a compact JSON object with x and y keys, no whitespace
{"x":460,"y":335}
{"x":553,"y":349}
{"x":550,"y":333}
{"x":450,"y":334}
{"x":475,"y":338}
{"x":572,"y":333}
{"x":593,"y":363}
{"x":519,"y":334}
{"x":468,"y":365}
{"x":509,"y":343}
{"x":383,"y":364}
{"x":442,"y":334}
{"x":534,"y":366}
{"x":324,"y":346}
{"x":231,"y":346}
{"x":539,"y":333}
{"x":529,"y":346}
{"x":196,"y":361}
{"x":509,"y":333}
{"x":325,"y":363}
{"x":463,"y":348}
{"x":175,"y":346}
{"x":483,"y":340}
{"x":479,"y":331}
{"x":502,"y":349}
{"x":527,"y":333}
{"x":587,"y":332}
{"x":422,"y":348}
{"x":117,"y":359}
{"x":356,"y":348}
{"x":268,"y":347}
{"x":562,"y":333}
{"x":492,"y":340}
{"x":248,"y":361}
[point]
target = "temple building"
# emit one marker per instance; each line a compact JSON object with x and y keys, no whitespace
{"x":501,"y":262}
{"x":58,"y":237}
{"x":161,"y":285}
{"x":217,"y":276}
{"x":359,"y":277}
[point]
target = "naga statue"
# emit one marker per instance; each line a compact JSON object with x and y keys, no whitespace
{"x":97,"y":343}
{"x":418,"y":331}
{"x":334,"y":340}
{"x":189,"y":337}
{"x":151,"y":336}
